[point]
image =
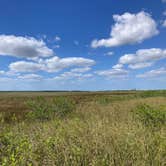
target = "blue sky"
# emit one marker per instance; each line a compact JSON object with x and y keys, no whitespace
{"x":82,"y":45}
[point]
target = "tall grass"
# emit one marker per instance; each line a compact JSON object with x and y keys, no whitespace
{"x":96,"y":133}
{"x":43,"y":109}
{"x":151,"y":117}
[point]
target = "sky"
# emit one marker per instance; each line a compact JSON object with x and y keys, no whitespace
{"x":82,"y":45}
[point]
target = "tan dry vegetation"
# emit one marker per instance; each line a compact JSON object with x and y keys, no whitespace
{"x":95,"y":133}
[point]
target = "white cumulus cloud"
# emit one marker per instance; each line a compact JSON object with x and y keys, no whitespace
{"x":56,"y":63}
{"x":78,"y":73}
{"x":30,"y":77}
{"x":143,"y":58}
{"x":24,"y":66}
{"x":140,"y":65}
{"x":129,"y":29}
{"x":117,"y":66}
{"x":25,"y":47}
{"x":113,"y":73}
{"x":81,"y":70}
{"x":53,"y":64}
{"x":153,"y":73}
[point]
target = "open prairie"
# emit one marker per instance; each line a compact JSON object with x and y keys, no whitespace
{"x":82,"y":83}
{"x":83,"y":128}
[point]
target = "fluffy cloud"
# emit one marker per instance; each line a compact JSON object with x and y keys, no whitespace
{"x":24,"y":66}
{"x":56,"y":64}
{"x":81,"y":70}
{"x":25,"y":47}
{"x":129,"y":29}
{"x":140,"y":65}
{"x":153,"y":73}
{"x":78,"y":73}
{"x":113,"y":73}
{"x":72,"y":75}
{"x":143,"y":58}
{"x":50,"y":65}
{"x":30,"y":77}
{"x":117,"y":66}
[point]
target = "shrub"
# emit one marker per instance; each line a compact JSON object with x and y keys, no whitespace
{"x":150,"y":116}
{"x":62,"y":106}
{"x":153,"y":93}
{"x":43,"y":109}
{"x":39,"y":109}
{"x":104,"y":100}
{"x":14,"y":150}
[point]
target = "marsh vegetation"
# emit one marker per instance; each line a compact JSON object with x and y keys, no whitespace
{"x":83,"y":128}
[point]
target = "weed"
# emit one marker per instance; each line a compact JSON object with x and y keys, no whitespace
{"x":151,"y":116}
{"x":63,"y":106}
{"x":46,"y":110}
{"x":14,"y":150}
{"x":104,"y":100}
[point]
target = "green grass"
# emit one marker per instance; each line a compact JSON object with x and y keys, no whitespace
{"x":151,"y":117}
{"x":85,"y":129}
{"x":46,"y":110}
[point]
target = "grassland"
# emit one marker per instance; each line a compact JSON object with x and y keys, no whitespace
{"x":121,"y":128}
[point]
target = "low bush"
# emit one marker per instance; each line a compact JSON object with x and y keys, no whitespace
{"x":153,"y":93}
{"x":43,"y":109}
{"x":14,"y":150}
{"x":63,"y":106}
{"x":104,"y":100}
{"x":151,"y":116}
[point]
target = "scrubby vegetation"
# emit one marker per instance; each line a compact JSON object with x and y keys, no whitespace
{"x":122,"y":128}
{"x":43,"y":109}
{"x":151,"y":117}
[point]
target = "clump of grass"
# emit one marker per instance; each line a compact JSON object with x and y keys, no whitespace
{"x":153,"y":93}
{"x":43,"y":109}
{"x":63,"y":106}
{"x":14,"y":150}
{"x":8,"y":117}
{"x":104,"y":100}
{"x":39,"y":109}
{"x":151,"y":116}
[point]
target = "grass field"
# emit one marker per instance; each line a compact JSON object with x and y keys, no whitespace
{"x":121,"y":128}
